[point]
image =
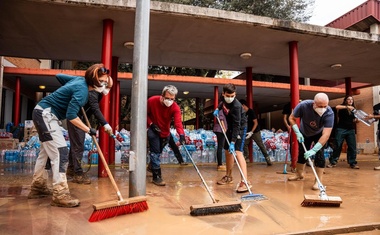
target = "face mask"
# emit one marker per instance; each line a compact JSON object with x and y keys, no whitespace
{"x":99,"y":89}
{"x":168,"y":102}
{"x":229,"y":99}
{"x":320,"y":111}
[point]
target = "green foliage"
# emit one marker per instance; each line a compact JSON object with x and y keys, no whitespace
{"x":295,"y":10}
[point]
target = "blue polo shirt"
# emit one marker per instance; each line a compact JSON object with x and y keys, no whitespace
{"x":311,"y":123}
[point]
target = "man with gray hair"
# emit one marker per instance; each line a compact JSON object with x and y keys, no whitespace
{"x":161,"y":110}
{"x":316,"y":123}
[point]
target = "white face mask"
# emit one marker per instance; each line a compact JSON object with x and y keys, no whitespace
{"x":320,"y":111}
{"x":229,"y":99}
{"x":100,"y":89}
{"x":168,"y":102}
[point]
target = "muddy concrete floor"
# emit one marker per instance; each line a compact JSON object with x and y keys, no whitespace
{"x":169,"y":206}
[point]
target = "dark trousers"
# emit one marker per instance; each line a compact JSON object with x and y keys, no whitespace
{"x":175,"y":149}
{"x":348,"y":135}
{"x":219,"y":152}
{"x":77,"y":137}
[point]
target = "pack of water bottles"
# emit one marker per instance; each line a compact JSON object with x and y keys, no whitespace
{"x":276,"y":145}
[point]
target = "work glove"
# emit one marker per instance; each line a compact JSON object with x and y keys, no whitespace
{"x":108,"y":129}
{"x":248,"y":135}
{"x":298,"y":133}
{"x":312,"y":151}
{"x":232,"y":148}
{"x":216,"y":112}
{"x":92,"y":132}
{"x":182,"y":139}
{"x":155,"y":128}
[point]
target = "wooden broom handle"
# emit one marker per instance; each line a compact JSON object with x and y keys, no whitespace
{"x":100,"y":153}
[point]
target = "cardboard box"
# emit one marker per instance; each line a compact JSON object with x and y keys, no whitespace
{"x":8,"y":143}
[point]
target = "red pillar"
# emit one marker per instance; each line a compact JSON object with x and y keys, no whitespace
{"x":348,"y":86}
{"x":248,"y":72}
{"x":16,"y":109}
{"x":197,"y":100}
{"x":105,"y":102}
{"x":294,"y":92}
{"x":113,"y":104}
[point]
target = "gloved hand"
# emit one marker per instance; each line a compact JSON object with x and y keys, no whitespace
{"x":312,"y":151}
{"x":232,"y":147}
{"x":92,"y":132}
{"x":216,"y":112}
{"x":298,"y":133}
{"x":155,"y":128}
{"x":108,"y":129}
{"x":182,"y":139}
{"x":248,"y":135}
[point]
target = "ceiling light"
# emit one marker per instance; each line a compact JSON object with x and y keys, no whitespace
{"x":245,"y":55}
{"x":336,"y":66}
{"x":186,"y":92}
{"x":42,"y":87}
{"x":129,"y":45}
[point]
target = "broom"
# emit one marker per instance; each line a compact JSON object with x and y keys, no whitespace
{"x":215,"y":207}
{"x":250,"y":196}
{"x":115,"y":208}
{"x":287,"y":154}
{"x":322,"y":199}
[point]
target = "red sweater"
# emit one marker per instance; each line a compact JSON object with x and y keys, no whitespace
{"x":162,"y":116}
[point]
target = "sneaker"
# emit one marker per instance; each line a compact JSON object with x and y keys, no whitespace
{"x":64,"y":200}
{"x":331,"y":165}
{"x":354,"y":166}
{"x":81,"y":179}
{"x":183,"y":163}
{"x":377,"y":168}
{"x":225,"y":180}
{"x":221,"y":168}
{"x":242,"y":188}
{"x":39,"y":193}
{"x":269,"y":162}
{"x":158,"y":181}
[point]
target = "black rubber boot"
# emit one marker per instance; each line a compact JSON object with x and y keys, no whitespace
{"x":157,"y":179}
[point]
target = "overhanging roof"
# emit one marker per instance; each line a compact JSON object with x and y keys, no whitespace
{"x":186,"y":36}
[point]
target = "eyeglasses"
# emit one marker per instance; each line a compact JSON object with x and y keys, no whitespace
{"x":104,"y":70}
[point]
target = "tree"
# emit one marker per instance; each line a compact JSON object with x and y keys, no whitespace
{"x":295,"y":10}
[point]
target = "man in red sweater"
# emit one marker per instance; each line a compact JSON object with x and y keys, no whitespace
{"x":161,"y":110}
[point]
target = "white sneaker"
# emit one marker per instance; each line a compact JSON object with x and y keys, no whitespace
{"x":377,"y":168}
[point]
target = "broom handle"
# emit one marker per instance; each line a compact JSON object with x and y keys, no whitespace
{"x":200,"y":175}
{"x":235,"y":157}
{"x":100,"y":153}
{"x":312,"y":167}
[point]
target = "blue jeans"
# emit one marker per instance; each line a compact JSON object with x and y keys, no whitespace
{"x":348,"y":135}
{"x":156,"y":145}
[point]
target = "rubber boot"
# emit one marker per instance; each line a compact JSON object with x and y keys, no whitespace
{"x":320,"y":175}
{"x":299,"y":172}
{"x":157,"y":179}
{"x":62,"y":197}
{"x":39,"y":188}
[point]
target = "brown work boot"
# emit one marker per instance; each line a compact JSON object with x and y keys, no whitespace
{"x":64,"y":200}
{"x":299,"y":174}
{"x":39,"y":192}
{"x":81,"y":179}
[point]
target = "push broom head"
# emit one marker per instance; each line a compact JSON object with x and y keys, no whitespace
{"x":321,"y":201}
{"x":215,"y":208}
{"x":253,"y":197}
{"x":111,"y":209}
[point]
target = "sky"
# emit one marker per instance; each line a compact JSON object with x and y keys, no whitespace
{"x":326,"y":11}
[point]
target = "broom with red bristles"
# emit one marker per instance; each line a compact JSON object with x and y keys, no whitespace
{"x":105,"y":210}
